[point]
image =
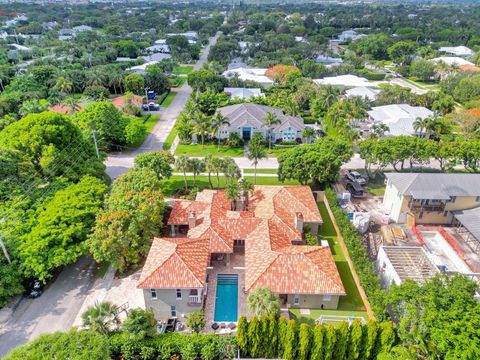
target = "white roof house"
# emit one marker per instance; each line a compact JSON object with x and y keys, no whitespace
{"x":363,"y":92}
{"x":456,"y":50}
{"x":140,"y":69}
{"x":158,"y":48}
{"x":243,"y":93}
{"x":160,"y":42}
{"x":452,"y":60}
{"x":346,"y":81}
{"x":81,"y":28}
{"x":350,"y":35}
{"x":398,"y":117}
{"x":245,"y":74}
{"x":20,"y":47}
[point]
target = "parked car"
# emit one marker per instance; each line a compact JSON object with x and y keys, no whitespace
{"x":355,"y":176}
{"x":151,"y":106}
{"x":355,"y":189}
{"x":34,"y":289}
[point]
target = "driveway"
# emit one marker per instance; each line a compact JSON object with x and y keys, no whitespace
{"x":54,"y":311}
{"x":119,"y":163}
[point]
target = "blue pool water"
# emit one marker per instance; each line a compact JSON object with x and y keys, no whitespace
{"x":226,"y":303}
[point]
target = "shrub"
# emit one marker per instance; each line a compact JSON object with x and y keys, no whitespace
{"x":196,"y":321}
{"x":135,"y":132}
{"x":234,"y":140}
{"x":311,"y":239}
{"x":304,"y":341}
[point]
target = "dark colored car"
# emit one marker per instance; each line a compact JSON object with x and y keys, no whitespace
{"x":34,"y":289}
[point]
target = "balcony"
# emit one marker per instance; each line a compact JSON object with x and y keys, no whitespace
{"x":194,"y":300}
{"x":427,"y":208}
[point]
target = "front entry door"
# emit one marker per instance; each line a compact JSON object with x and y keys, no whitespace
{"x":246,"y":133}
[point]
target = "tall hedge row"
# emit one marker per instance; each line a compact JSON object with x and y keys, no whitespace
{"x":363,"y":266}
{"x":322,"y":342}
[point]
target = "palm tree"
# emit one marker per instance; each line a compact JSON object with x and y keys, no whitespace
{"x":246,"y":187}
{"x":291,"y":108}
{"x":201,"y":125}
{"x":218,"y":121}
{"x":308,"y":134}
{"x":116,"y":80}
{"x":231,"y":169}
{"x":72,"y":104}
{"x":256,"y":152}
{"x":63,"y":85}
{"x":196,"y":166}
{"x":209,"y":168}
{"x":263,"y":302}
{"x":101,"y":317}
{"x":217,"y":166}
{"x":270,"y":120}
{"x":378,"y":130}
{"x":183,"y":164}
{"x":233,"y":193}
{"x":419,"y":125}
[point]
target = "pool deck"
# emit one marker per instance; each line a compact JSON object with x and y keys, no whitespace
{"x":236,"y":266}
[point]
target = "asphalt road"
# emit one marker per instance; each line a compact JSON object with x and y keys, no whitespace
{"x":54,"y":311}
{"x":119,"y":163}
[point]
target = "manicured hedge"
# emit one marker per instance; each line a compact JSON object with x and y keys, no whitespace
{"x":370,"y":75}
{"x":363,"y":266}
{"x":274,"y":337}
{"x":172,"y":346}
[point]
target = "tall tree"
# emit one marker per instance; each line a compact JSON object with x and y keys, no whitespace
{"x":270,"y":121}
{"x":202,"y":125}
{"x":159,"y":162}
{"x":218,"y":121}
{"x":233,"y":194}
{"x":256,"y":152}
{"x":182,"y":163}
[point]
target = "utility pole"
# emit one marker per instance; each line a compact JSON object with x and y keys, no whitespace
{"x":5,"y":252}
{"x":95,"y":142}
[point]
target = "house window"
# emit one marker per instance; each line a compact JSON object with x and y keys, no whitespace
{"x":173,"y":311}
{"x":296,"y":299}
{"x":477,"y":199}
{"x":153,"y":292}
{"x":179,"y":294}
{"x":193,"y":292}
{"x":420,"y":215}
{"x":445,"y":213}
{"x":327,"y":297}
{"x":452,"y":199}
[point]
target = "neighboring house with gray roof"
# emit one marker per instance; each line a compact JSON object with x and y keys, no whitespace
{"x":249,"y":119}
{"x":243,"y":93}
{"x":398,"y":117}
{"x":430,"y":198}
{"x":468,"y":223}
{"x":364,"y":92}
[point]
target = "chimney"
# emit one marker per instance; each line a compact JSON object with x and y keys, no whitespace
{"x":241,"y":202}
{"x":299,"y":222}
{"x":192,"y":219}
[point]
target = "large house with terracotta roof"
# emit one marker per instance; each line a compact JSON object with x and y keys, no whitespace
{"x":261,"y":241}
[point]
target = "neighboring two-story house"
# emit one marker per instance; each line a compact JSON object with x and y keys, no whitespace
{"x":248,"y":119}
{"x":430,"y":198}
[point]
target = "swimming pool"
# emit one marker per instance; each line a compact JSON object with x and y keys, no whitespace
{"x":226,"y":303}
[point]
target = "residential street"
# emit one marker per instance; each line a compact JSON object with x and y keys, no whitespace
{"x":119,"y":163}
{"x":54,"y":311}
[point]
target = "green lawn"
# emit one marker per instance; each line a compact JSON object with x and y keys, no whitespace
{"x":177,"y":81}
{"x":170,"y":138}
{"x":208,"y":149}
{"x":352,"y":303}
{"x":275,"y":151}
{"x":150,"y":120}
{"x":315,"y":314}
{"x":377,"y":186}
{"x":182,"y":70}
{"x":261,"y":171}
{"x":168,"y":100}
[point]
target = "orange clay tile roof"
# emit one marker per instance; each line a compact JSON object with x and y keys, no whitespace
{"x":468,"y":67}
{"x":175,"y":263}
{"x":268,"y":228}
{"x":121,"y":101}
